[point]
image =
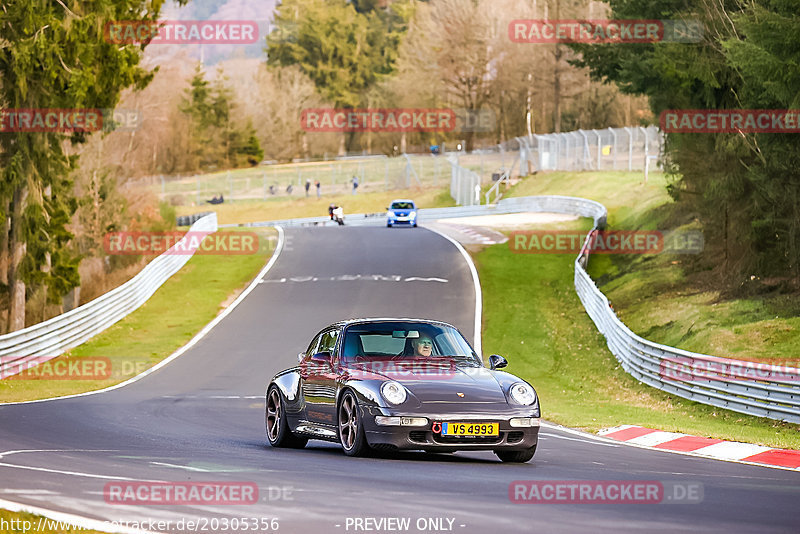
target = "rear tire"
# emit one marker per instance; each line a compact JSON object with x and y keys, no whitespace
{"x":278,"y":433}
{"x":517,"y":457}
{"x":351,"y":429}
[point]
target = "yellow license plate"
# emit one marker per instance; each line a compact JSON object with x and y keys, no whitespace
{"x":470,"y":429}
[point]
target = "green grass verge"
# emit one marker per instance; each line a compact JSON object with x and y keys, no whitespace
{"x":23,"y":522}
{"x":169,"y":319}
{"x":533,"y":316}
{"x":667,"y":298}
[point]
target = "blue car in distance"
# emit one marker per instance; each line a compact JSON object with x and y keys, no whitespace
{"x":402,"y":211}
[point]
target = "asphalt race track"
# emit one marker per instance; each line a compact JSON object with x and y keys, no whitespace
{"x":201,"y":419}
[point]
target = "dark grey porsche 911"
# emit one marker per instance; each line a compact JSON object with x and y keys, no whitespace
{"x":401,"y":384}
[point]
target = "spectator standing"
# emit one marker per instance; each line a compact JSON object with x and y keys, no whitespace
{"x":317,"y":184}
{"x":308,"y":186}
{"x":355,"y":184}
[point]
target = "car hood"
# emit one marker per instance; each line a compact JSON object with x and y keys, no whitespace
{"x":402,"y":213}
{"x":438,"y":382}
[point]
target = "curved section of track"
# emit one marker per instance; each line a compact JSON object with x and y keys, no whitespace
{"x":200,"y":418}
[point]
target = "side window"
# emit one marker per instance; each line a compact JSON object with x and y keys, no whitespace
{"x":328,"y":341}
{"x":312,"y":348}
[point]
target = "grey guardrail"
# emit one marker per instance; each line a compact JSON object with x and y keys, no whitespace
{"x":188,"y":220}
{"x":548,"y":204}
{"x":43,"y":341}
{"x":721,"y":382}
{"x":774,"y":392}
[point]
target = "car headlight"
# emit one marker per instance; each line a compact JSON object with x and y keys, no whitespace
{"x":522,"y":393}
{"x":390,"y":214}
{"x":393,"y":392}
{"x":413,"y":214}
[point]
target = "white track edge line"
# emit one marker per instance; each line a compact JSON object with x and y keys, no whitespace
{"x":192,"y":342}
{"x":476,"y":282}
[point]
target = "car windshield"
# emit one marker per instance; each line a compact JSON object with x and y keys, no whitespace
{"x":406,"y":340}
{"x":402,"y":205}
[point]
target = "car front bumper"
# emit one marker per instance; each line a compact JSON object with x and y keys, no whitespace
{"x":396,"y":220}
{"x":423,"y":437}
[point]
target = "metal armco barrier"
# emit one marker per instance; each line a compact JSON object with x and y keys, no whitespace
{"x":547,"y":204}
{"x":188,"y":220}
{"x":774,"y":393}
{"x":41,"y":342}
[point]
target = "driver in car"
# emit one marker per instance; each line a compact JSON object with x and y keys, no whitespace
{"x":421,"y":347}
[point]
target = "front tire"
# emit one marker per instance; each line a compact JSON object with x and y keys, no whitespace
{"x":351,"y":429}
{"x":517,"y":457}
{"x":278,"y":433}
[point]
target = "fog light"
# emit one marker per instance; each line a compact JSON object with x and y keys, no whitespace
{"x":523,"y":422}
{"x":414,"y":421}
{"x":382,"y":420}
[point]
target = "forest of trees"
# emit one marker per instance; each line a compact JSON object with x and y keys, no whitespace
{"x":744,"y":187}
{"x":60,"y":192}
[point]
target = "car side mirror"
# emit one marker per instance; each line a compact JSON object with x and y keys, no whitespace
{"x":300,"y":356}
{"x":497,"y":362}
{"x":322,"y":358}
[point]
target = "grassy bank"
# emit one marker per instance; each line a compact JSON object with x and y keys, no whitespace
{"x":533,"y":316}
{"x":669,"y":298}
{"x":171,"y":317}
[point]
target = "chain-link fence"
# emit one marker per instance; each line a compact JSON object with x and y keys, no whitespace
{"x":632,"y":148}
{"x":465,"y":185}
{"x":373,"y":173}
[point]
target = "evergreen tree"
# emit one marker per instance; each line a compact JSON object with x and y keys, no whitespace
{"x":53,"y":55}
{"x":216,"y":140}
{"x":744,"y":186}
